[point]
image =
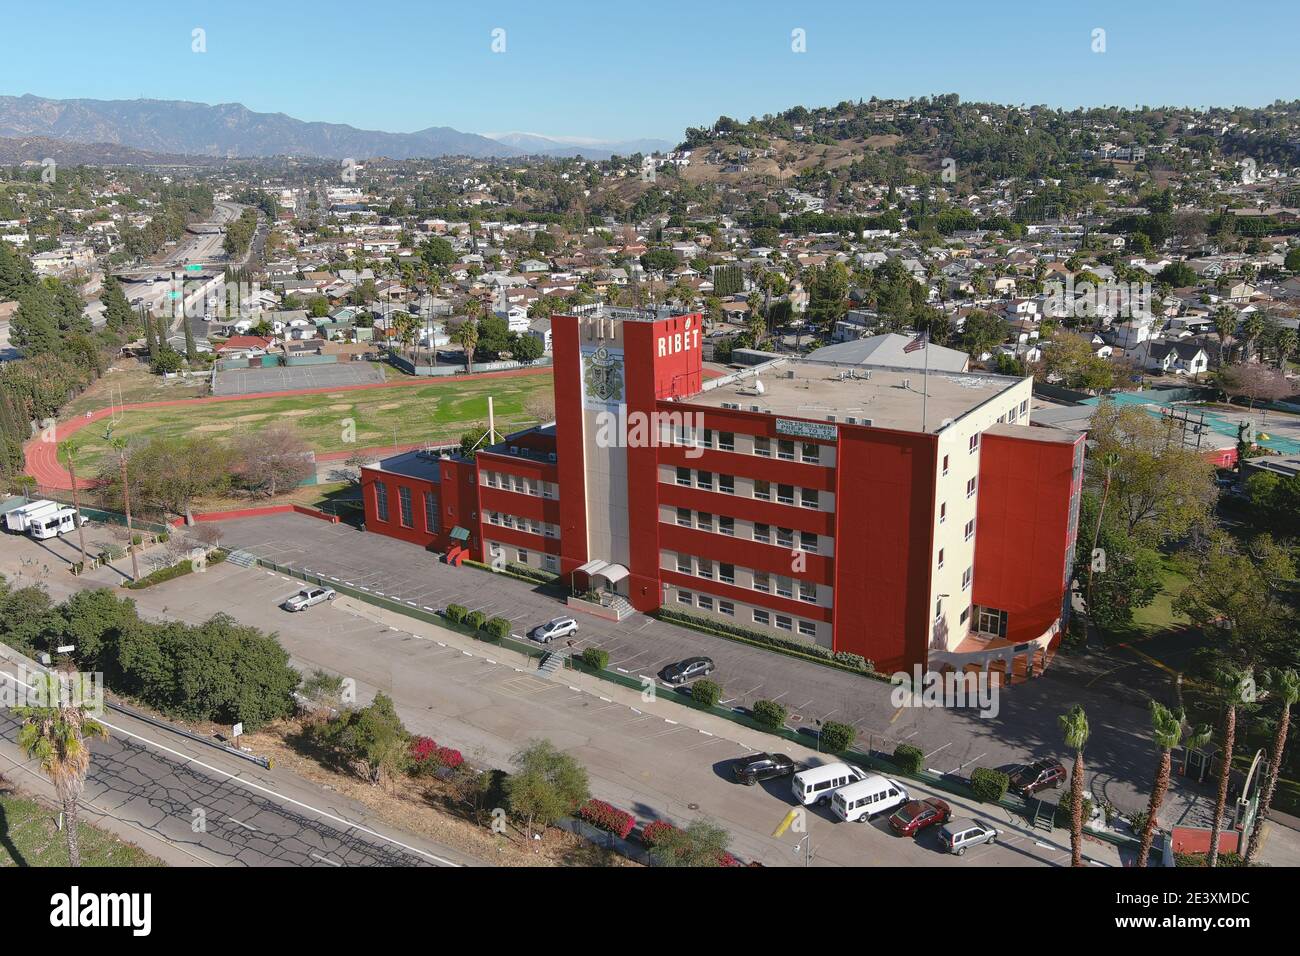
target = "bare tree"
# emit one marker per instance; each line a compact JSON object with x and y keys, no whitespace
{"x":273,"y":460}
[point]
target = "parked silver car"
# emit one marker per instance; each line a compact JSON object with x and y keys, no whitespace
{"x":308,"y":597}
{"x":957,"y":835}
{"x":560,"y":627}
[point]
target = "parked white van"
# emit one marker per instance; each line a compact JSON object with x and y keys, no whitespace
{"x":55,"y":523}
{"x":864,"y":799}
{"x":22,"y":519}
{"x":816,"y":784}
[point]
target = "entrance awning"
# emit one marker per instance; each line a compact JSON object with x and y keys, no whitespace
{"x":460,"y":534}
{"x":613,"y":573}
{"x":593,"y":567}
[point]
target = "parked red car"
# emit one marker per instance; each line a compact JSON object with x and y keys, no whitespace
{"x":1039,"y":775}
{"x":916,"y":815}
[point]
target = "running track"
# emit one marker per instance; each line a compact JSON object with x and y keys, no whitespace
{"x":42,"y":454}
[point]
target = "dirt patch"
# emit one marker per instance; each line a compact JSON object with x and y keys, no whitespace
{"x":387,"y":405}
{"x":257,"y":417}
{"x":344,"y":407}
{"x":296,"y":412}
{"x":214,"y":427}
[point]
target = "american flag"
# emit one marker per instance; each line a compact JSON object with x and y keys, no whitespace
{"x":916,"y":343}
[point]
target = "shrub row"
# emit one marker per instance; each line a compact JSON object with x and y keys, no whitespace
{"x":989,"y":785}
{"x":843,"y":659}
{"x":427,"y":756}
{"x":595,"y":657}
{"x":607,"y":817}
{"x":909,"y":759}
{"x":769,"y":713}
{"x":177,"y":570}
{"x":497,"y":628}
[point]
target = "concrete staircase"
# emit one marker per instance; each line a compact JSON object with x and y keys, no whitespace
{"x":242,"y":558}
{"x":552,"y":663}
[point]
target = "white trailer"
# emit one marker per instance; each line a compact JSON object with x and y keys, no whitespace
{"x":20,"y":519}
{"x":55,"y":523}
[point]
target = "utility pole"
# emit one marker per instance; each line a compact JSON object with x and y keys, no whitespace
{"x":130,"y":536}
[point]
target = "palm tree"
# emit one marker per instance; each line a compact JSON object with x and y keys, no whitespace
{"x":1225,"y":323}
{"x":1229,"y":682}
{"x":1252,"y":329}
{"x":467,"y":338}
{"x":1074,"y":727}
{"x":1286,"y":685}
{"x":55,"y":737}
{"x":119,"y":445}
{"x":68,"y":455}
{"x":1285,"y":343}
{"x":1167,"y":731}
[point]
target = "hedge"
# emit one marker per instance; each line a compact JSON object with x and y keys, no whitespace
{"x":706,"y":692}
{"x":595,"y":657}
{"x":456,"y":613}
{"x":606,"y":816}
{"x":179,"y":569}
{"x":837,"y":737}
{"x":909,"y":759}
{"x":769,"y":713}
{"x":989,"y":785}
{"x":498,"y":627}
{"x":475,"y":620}
{"x":842,"y":660}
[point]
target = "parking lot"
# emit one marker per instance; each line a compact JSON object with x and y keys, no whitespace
{"x":289,"y":378}
{"x":953,"y":740}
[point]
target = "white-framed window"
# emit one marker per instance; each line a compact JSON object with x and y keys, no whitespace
{"x":965,"y":579}
{"x":943,"y":512}
{"x":684,"y":477}
{"x":762,"y":446}
{"x":761,"y":617}
{"x":970,"y":529}
{"x":726,"y":573}
{"x":762,"y":582}
{"x":808,"y":592}
{"x":973,"y":445}
{"x":945,"y":464}
{"x":811,"y":453}
{"x":784,"y":586}
{"x":785,"y":449}
{"x":704,"y":521}
{"x":941,"y":559}
{"x":704,"y":479}
{"x":704,"y":602}
{"x":684,"y":563}
{"x":785,"y":538}
{"x":762,"y":533}
{"x":970,"y":488}
{"x":938,"y":609}
{"x":785,"y":622}
{"x":762,"y":489}
{"x":704,"y":568}
{"x":727,"y":526}
{"x":684,"y":517}
{"x":785,"y":494}
{"x":807,"y":629}
{"x":1024,"y":408}
{"x":686,"y":597}
{"x":550,"y":562}
{"x":727,"y":608}
{"x":727,"y":484}
{"x":726,"y":441}
{"x":808,"y":542}
{"x":808,"y":498}
{"x":1011,"y":416}
{"x":522,"y":556}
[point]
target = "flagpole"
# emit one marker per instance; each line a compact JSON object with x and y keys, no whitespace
{"x":925,"y":379}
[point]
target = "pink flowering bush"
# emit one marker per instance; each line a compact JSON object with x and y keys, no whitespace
{"x":607,"y":817}
{"x":427,"y":756}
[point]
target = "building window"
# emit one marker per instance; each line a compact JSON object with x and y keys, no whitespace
{"x":1024,"y":408}
{"x":762,"y":533}
{"x":726,"y":441}
{"x":762,"y":489}
{"x":784,"y":586}
{"x":945,"y":464}
{"x":970,"y":529}
{"x":726,"y":525}
{"x":704,"y":521}
{"x":943,"y":512}
{"x":705,"y":568}
{"x":784,"y":623}
{"x":762,"y":582}
{"x":992,"y":621}
{"x":973,"y":445}
{"x":705,"y":603}
{"x":807,"y":629}
{"x":684,"y":517}
{"x":785,"y":449}
{"x":965,"y":579}
{"x":727,"y":484}
{"x":1011,"y":416}
{"x":811,"y":453}
{"x":761,"y":617}
{"x":684,"y":477}
{"x":704,"y":479}
{"x":762,"y":446}
{"x":808,"y":498}
{"x":808,"y":542}
{"x":522,"y":556}
{"x":727,"y":573}
{"x":550,"y":562}
{"x":785,"y":494}
{"x":970,"y":488}
{"x":808,"y":592}
{"x":684,"y":563}
{"x":707,"y":440}
{"x":965,"y":614}
{"x":685,"y":597}
{"x":785,"y":538}
{"x":381,"y":500}
{"x":938,"y":609}
{"x":727,"y":608}
{"x":430,"y":513}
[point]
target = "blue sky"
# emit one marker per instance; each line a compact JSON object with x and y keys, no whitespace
{"x":614,"y":69}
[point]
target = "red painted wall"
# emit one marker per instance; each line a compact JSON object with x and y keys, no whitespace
{"x":571,"y":465}
{"x":1022,"y":530}
{"x":883,"y":541}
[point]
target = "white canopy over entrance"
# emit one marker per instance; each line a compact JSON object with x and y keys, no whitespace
{"x":613,"y":573}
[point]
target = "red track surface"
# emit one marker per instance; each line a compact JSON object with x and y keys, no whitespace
{"x":42,"y":456}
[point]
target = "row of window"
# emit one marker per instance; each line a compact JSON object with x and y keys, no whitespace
{"x":762,"y":533}
{"x":725,"y":572}
{"x":763,"y":490}
{"x":531,"y":525}
{"x":407,"y":518}
{"x":786,"y":449}
{"x":549,"y":561}
{"x":784,"y":622}
{"x":524,"y":486}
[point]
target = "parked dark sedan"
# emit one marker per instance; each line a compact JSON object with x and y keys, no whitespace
{"x":750,"y":770}
{"x":688,"y":669}
{"x":1039,"y":775}
{"x":916,"y":815}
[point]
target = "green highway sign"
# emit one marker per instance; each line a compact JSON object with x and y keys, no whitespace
{"x":192,"y":267}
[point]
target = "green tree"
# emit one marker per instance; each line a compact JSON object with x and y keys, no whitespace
{"x":1167,"y":732}
{"x":547,"y":785}
{"x":701,"y":843}
{"x":982,"y":332}
{"x":1074,"y":728}
{"x":55,"y":737}
{"x":371,"y":740}
{"x":467,"y":338}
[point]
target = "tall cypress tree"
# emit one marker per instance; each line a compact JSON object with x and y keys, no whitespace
{"x":191,"y":352}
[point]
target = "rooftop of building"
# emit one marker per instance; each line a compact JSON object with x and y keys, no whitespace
{"x":625,"y":314}
{"x":419,"y":463}
{"x":828,"y":391}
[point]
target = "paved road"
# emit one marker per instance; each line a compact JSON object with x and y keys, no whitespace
{"x":160,"y":784}
{"x":1120,"y":757}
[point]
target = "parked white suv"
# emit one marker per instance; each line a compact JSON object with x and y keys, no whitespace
{"x":560,"y":627}
{"x":308,"y":597}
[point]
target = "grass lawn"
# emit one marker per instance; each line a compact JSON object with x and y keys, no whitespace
{"x":401,"y":414}
{"x":1159,"y":615}
{"x":131,"y":381}
{"x":29,"y":836}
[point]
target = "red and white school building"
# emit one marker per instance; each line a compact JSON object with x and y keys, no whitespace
{"x":912,"y":519}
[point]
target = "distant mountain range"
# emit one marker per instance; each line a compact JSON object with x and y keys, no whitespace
{"x":37,"y":149}
{"x":231,"y":130}
{"x":536,"y":143}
